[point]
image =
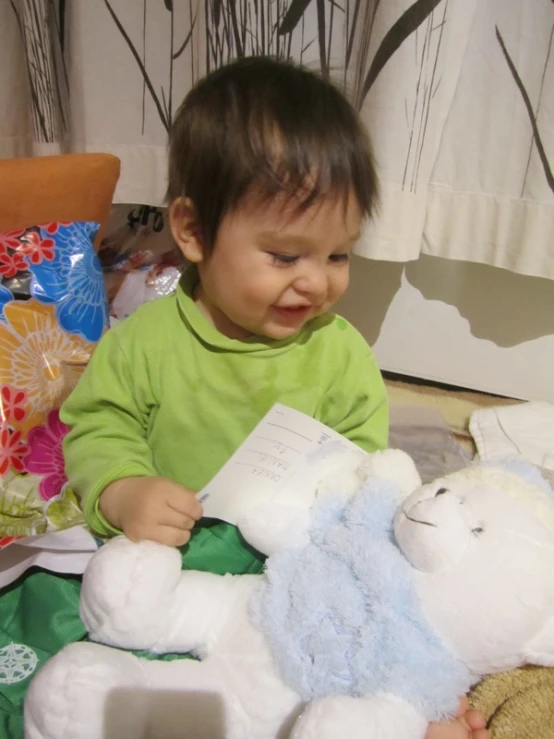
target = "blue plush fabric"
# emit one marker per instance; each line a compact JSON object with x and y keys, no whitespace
{"x":342,"y":616}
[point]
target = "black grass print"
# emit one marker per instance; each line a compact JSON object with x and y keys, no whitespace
{"x":360,"y":18}
{"x":164,"y":100}
{"x":404,"y":27}
{"x":40,"y":26}
{"x":426,"y":88}
{"x":538,"y":106}
{"x":530,"y":112}
{"x":239,"y":28}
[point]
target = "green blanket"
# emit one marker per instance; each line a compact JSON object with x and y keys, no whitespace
{"x":39,"y":614}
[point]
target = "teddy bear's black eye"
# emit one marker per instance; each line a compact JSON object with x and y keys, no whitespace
{"x":441,"y":491}
{"x":478,"y":530}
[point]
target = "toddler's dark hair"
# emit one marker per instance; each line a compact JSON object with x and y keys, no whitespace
{"x":264,"y":126}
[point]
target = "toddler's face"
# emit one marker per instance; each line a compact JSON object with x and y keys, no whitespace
{"x":272,"y":270}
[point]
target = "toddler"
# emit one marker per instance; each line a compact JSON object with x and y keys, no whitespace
{"x":270,"y":178}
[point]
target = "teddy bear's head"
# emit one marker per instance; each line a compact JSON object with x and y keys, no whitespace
{"x":482,"y":544}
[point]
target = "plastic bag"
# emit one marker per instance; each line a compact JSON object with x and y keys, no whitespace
{"x":53,"y":311}
{"x":426,"y":437}
{"x":139,"y":259}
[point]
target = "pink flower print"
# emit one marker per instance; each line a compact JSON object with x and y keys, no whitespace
{"x":12,"y":404}
{"x":12,"y":450}
{"x":46,"y":456}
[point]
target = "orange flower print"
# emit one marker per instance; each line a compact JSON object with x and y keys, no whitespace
{"x":35,"y":248}
{"x":12,"y":404}
{"x":12,"y":450}
{"x":38,"y":356}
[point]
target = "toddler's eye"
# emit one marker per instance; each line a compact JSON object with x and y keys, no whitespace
{"x":284,"y":260}
{"x":339,"y":258}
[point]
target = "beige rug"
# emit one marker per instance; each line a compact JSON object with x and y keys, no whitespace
{"x":455,"y":404}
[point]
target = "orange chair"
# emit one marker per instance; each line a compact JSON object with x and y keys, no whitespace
{"x":68,"y":187}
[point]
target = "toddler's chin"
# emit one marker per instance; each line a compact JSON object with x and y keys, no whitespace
{"x":280,"y":332}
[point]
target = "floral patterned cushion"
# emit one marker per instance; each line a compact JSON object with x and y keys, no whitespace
{"x":53,"y":310}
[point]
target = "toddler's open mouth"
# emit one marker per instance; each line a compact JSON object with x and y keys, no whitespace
{"x":292,"y":312}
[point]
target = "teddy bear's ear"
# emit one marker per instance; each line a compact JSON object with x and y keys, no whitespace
{"x":540,"y":650}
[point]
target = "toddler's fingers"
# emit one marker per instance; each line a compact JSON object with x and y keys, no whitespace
{"x":171,"y":536}
{"x":475,"y":719}
{"x":176,"y":520}
{"x":186,"y":503}
{"x":464,"y":706}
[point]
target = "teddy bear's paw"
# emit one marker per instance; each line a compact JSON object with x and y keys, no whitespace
{"x":270,"y":527}
{"x":381,"y":716}
{"x":341,"y":482}
{"x":394,"y":465}
{"x":78,"y":692}
{"x":127,"y":589}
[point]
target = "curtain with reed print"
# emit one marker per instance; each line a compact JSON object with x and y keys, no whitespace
{"x":458,"y":96}
{"x":36,"y":27}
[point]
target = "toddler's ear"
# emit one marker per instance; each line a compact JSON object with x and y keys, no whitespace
{"x":184,"y":228}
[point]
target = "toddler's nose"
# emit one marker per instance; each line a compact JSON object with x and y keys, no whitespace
{"x":312,"y":284}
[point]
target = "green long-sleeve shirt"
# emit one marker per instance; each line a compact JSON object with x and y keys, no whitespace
{"x":166,"y":394}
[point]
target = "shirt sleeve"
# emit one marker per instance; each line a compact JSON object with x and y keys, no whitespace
{"x":356,"y":405}
{"x":108,"y":414}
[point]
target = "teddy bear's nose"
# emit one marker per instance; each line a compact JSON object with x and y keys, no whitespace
{"x":441,"y":491}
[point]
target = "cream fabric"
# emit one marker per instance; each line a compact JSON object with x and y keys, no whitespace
{"x":462,"y":177}
{"x":525,"y":430}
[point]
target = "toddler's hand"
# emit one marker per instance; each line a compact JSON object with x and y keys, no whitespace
{"x":151,"y":508}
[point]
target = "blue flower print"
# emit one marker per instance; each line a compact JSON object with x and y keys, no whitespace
{"x":5,"y":297}
{"x":73,"y":281}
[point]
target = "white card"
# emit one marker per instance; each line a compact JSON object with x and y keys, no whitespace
{"x":277,"y":461}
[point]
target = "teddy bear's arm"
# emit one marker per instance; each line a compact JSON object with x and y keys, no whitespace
{"x":394,"y":465}
{"x":380,"y":716}
{"x":540,"y":650}
{"x":273,"y":526}
{"x":136,"y":596}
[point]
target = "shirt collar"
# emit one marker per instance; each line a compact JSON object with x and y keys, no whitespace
{"x":209,"y":335}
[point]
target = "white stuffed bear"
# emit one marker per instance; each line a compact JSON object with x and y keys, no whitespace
{"x":376,"y":610}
